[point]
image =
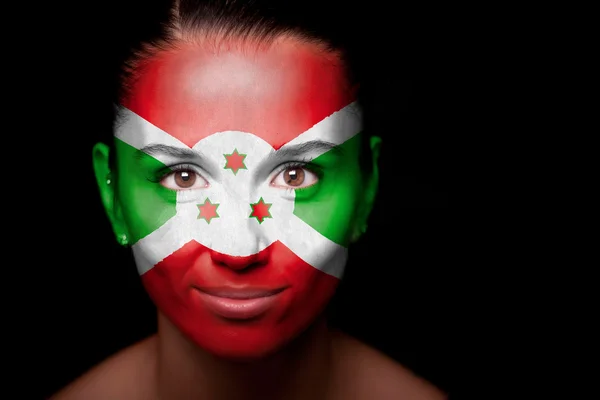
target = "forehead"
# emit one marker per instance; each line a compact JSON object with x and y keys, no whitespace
{"x":274,"y":92}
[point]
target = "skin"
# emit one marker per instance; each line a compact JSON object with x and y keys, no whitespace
{"x":275,"y":356}
{"x":337,"y":366}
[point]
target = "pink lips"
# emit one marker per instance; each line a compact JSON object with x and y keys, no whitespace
{"x":239,"y":303}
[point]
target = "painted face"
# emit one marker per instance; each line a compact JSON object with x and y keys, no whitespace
{"x":239,"y":185}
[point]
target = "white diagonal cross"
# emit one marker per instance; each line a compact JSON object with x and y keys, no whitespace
{"x":233,"y":232}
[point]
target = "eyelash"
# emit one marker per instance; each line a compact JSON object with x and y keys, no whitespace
{"x":299,"y":164}
{"x":160,"y":174}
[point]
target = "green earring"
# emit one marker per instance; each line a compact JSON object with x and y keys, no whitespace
{"x":123,"y":240}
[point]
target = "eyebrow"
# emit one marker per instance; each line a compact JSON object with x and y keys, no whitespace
{"x":284,"y":152}
{"x":300,"y":149}
{"x":155,"y":149}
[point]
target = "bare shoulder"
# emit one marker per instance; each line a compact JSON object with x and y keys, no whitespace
{"x":124,"y":375}
{"x":366,"y":373}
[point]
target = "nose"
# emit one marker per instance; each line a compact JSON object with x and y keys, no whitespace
{"x":239,"y":263}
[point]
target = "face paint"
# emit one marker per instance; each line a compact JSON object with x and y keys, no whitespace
{"x":239,"y":185}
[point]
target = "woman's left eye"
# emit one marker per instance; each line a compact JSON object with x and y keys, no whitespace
{"x":295,"y":178}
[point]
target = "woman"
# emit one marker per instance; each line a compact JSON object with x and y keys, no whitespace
{"x":239,"y":175}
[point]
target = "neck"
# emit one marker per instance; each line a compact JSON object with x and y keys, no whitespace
{"x":299,"y":371}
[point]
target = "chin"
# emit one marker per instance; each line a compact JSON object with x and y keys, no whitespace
{"x":243,"y":341}
{"x":245,"y":352}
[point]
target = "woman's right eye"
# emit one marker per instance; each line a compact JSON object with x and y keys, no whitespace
{"x":184,"y":179}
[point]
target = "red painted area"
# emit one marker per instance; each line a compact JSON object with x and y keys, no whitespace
{"x":171,"y":285}
{"x":275,"y":94}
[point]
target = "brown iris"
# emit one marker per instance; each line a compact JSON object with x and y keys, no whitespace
{"x":294,"y":176}
{"x":185,"y":179}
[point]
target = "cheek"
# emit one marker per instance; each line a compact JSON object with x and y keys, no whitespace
{"x":331,"y":207}
{"x":331,"y":210}
{"x":145,"y":208}
{"x":312,"y":291}
{"x":169,"y":282}
{"x":145,"y":205}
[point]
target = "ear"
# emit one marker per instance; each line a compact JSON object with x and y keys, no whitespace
{"x":106,"y":181}
{"x":369,"y":191}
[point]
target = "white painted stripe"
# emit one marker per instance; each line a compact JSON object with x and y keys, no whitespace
{"x":337,"y":128}
{"x":312,"y":247}
{"x":138,"y":132}
{"x":161,"y":243}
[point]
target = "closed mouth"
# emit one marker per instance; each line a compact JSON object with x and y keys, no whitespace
{"x":240,"y":293}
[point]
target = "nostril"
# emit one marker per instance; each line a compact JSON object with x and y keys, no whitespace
{"x":240,"y":262}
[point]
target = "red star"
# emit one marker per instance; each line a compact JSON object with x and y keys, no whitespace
{"x":235,"y":161}
{"x":208,"y":210}
{"x":260,"y":210}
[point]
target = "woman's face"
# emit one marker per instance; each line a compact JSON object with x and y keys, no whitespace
{"x":239,"y":188}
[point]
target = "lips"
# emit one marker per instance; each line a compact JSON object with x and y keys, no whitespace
{"x":239,"y":303}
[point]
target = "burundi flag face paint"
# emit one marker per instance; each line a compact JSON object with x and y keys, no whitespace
{"x":239,"y":184}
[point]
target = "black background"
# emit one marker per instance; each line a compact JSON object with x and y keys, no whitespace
{"x":402,"y":289}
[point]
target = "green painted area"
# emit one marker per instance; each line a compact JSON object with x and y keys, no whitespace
{"x":330,"y":206}
{"x":145,"y":203}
